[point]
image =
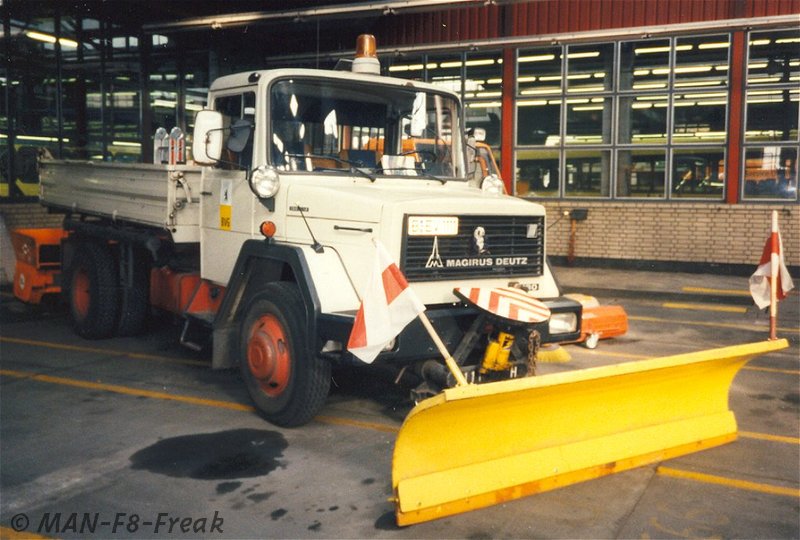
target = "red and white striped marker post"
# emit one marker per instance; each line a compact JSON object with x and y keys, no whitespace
{"x":774,"y":260}
{"x":771,"y":281}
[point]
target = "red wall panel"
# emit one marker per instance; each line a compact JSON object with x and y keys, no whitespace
{"x":557,"y":16}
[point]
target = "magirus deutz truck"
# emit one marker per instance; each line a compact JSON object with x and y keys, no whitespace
{"x":266,"y":240}
{"x":266,"y":244}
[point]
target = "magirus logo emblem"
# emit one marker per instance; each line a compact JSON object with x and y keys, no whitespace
{"x":435,"y":260}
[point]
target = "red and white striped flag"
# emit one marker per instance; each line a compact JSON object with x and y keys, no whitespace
{"x":387,"y":306}
{"x":760,"y":280}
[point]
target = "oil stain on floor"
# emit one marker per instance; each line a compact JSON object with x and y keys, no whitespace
{"x":224,"y":455}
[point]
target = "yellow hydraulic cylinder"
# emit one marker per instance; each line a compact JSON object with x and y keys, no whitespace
{"x":477,"y":445}
{"x":495,"y":357}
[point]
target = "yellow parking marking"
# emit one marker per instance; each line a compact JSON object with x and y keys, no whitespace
{"x":7,"y":533}
{"x":704,"y":290}
{"x":773,"y":370}
{"x":752,"y":327}
{"x":768,"y":437}
{"x":729,"y":482}
{"x":230,"y":405}
{"x":631,"y":356}
{"x":111,"y":352}
{"x":374,"y":426}
{"x":126,"y":390}
{"x":704,"y":307}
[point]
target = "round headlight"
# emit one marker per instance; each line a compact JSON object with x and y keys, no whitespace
{"x":493,"y":185}
{"x":265,"y":182}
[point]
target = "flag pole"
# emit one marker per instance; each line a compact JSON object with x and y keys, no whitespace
{"x":449,"y":360}
{"x":773,"y":282}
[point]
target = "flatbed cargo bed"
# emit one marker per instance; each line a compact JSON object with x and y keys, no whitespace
{"x":160,"y":196}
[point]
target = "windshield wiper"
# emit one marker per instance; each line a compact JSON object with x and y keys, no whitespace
{"x":419,"y":173}
{"x":352,"y":165}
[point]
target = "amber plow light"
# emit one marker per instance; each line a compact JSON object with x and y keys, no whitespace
{"x":365,"y":46}
{"x":366,"y":60}
{"x":473,"y":446}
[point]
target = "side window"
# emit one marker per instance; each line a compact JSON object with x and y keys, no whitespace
{"x":238,"y":112}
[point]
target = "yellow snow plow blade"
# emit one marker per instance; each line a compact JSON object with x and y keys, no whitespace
{"x":478,"y":445}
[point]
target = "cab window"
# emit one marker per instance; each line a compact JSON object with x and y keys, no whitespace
{"x":238,"y":113}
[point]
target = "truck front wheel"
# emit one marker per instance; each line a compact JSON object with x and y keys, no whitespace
{"x":287,"y":381}
{"x":93,"y":294}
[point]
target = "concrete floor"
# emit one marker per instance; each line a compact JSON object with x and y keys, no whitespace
{"x":136,"y":435}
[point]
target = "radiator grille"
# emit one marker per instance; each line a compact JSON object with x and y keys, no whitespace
{"x":513,"y":246}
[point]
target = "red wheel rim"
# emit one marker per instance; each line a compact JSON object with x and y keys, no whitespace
{"x":81,"y":297}
{"x":268,"y":355}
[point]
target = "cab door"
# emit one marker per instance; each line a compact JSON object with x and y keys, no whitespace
{"x":228,"y":203}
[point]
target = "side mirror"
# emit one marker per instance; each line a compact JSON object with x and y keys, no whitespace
{"x":208,"y":131}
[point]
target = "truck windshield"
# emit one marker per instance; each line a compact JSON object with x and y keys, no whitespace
{"x":330,"y":125}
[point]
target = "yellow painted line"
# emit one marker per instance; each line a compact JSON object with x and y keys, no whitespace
{"x":230,"y":405}
{"x":704,"y":290}
{"x":773,"y":370}
{"x":7,"y":533}
{"x":704,"y":307}
{"x":127,"y":390}
{"x":374,"y":426}
{"x":752,"y":327}
{"x":610,"y":354}
{"x":112,"y":352}
{"x":770,"y":438}
{"x":729,"y":482}
{"x":631,"y":356}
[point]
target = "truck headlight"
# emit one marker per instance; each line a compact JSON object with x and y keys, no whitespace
{"x":492,"y":185}
{"x":264,"y":182}
{"x":563,"y":323}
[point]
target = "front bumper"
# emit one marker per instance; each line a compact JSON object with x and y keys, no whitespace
{"x":451,"y":322}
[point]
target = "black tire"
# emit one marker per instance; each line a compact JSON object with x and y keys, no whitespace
{"x":134,"y":297}
{"x":286,"y":380}
{"x":93,"y":292}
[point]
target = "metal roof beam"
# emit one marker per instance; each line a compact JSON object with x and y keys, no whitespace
{"x":386,"y":7}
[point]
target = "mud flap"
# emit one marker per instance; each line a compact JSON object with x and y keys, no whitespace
{"x":478,"y":445}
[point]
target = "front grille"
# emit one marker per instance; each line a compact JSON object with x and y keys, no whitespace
{"x":508,"y":251}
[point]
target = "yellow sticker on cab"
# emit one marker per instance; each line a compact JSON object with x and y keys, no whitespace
{"x":225,"y":204}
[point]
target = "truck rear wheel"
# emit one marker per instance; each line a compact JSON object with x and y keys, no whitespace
{"x":93,"y":292}
{"x":286,"y":380}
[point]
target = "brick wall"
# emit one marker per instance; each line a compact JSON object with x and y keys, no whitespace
{"x":670,"y":232}
{"x":686,"y":233}
{"x":28,"y":215}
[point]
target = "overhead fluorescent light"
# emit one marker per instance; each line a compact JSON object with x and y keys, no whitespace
{"x":713,"y":45}
{"x":485,"y":62}
{"x":47,"y":38}
{"x":588,"y":54}
{"x":485,"y":105}
{"x":537,"y":58}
